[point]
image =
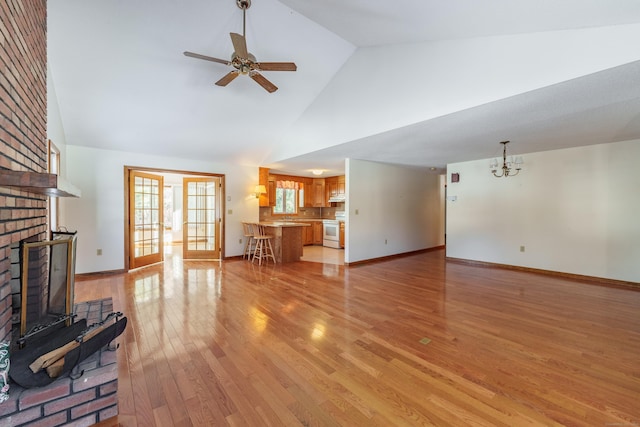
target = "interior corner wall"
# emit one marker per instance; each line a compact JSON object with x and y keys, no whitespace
{"x":99,"y":218}
{"x":391,"y":210}
{"x":572,"y":211}
{"x":23,"y":142}
{"x":55,"y":129}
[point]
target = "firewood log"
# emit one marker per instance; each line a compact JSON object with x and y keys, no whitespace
{"x":53,"y":356}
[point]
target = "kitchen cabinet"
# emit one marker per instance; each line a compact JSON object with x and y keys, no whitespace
{"x":308,"y":192}
{"x":263,"y":179}
{"x":319,"y":199}
{"x":317,"y":233}
{"x":342,"y":234}
{"x":335,"y":186}
{"x":313,"y":233}
{"x":271,"y":190}
{"x":331,"y":186}
{"x":308,"y":235}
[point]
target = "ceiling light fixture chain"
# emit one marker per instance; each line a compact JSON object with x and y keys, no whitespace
{"x":508,"y":165}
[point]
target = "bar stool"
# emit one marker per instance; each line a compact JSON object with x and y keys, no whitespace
{"x":263,"y":249}
{"x":249,"y":241}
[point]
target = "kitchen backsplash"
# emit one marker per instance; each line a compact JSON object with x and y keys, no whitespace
{"x":329,"y":213}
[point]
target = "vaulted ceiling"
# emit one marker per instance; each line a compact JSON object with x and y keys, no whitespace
{"x":415,"y":82}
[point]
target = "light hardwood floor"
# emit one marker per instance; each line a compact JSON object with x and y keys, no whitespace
{"x":405,"y":342}
{"x":323,"y":254}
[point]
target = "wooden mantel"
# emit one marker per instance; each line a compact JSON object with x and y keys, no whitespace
{"x":40,"y":183}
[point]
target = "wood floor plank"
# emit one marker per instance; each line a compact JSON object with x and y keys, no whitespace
{"x":302,"y":344}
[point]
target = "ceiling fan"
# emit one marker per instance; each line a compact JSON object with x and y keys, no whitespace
{"x":243,"y":61}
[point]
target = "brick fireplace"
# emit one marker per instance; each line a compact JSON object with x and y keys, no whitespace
{"x":24,"y":151}
{"x":23,"y":132}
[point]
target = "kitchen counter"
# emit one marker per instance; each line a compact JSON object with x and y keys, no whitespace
{"x":287,"y":239}
{"x":284,"y":223}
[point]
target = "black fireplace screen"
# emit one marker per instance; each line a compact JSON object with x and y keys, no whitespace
{"x":47,"y":281}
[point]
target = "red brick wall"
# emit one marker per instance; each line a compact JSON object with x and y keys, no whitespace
{"x":23,"y":129}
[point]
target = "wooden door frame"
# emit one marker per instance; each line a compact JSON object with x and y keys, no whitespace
{"x":127,"y":173}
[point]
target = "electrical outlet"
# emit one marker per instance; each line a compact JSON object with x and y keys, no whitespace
{"x":521,"y":248}
{"x":230,"y":212}
{"x":385,"y":241}
{"x":240,"y":241}
{"x":357,"y":212}
{"x":99,"y":252}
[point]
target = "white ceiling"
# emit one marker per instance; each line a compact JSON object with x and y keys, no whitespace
{"x":123,"y":83}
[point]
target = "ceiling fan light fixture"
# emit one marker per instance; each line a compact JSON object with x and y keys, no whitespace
{"x":243,"y":61}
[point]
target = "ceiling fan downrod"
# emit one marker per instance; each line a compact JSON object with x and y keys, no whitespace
{"x":244,"y":5}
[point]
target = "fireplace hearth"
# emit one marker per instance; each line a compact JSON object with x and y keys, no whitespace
{"x":80,"y":385}
{"x":86,"y":400}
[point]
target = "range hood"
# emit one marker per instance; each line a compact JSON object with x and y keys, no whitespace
{"x":337,"y":199}
{"x":40,"y":183}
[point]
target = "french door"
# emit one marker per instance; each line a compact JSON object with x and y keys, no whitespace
{"x":201,"y":218}
{"x":145,"y":219}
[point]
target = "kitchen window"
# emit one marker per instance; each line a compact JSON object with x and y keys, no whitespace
{"x":286,"y":198}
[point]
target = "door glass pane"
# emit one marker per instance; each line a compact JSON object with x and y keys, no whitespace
{"x":146,"y":216}
{"x":201,"y":216}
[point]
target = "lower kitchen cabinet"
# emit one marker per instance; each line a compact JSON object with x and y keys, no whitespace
{"x":312,"y":235}
{"x":317,"y":233}
{"x":308,"y":235}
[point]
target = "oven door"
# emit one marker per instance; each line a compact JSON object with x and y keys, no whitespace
{"x":331,"y":234}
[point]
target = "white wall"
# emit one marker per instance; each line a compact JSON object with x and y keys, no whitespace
{"x":55,"y":130}
{"x":575,"y":211}
{"x":99,"y":215}
{"x":401,"y":205}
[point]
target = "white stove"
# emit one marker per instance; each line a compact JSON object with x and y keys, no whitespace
{"x":331,"y":230}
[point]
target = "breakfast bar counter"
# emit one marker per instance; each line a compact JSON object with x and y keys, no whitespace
{"x":287,"y":239}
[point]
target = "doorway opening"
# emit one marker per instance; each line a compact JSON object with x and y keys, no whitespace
{"x":168,"y":210}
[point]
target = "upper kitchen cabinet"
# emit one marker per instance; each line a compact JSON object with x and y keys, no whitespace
{"x":335,"y":190}
{"x":318,"y":190}
{"x":342,"y":186}
{"x":263,"y":179}
{"x":271,"y":190}
{"x":331,"y":186}
{"x":307,"y":185}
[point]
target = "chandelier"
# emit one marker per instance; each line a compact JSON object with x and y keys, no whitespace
{"x":509,"y":166}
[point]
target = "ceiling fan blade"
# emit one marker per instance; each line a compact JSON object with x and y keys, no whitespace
{"x":276,"y":66}
{"x":239,"y":45}
{"x":207,"y":58}
{"x":262,"y":81}
{"x":228,"y":78}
